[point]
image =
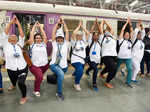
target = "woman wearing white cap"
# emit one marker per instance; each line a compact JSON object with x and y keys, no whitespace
{"x":15,"y":64}
{"x":39,"y":56}
{"x":137,"y":49}
{"x":58,"y":64}
{"x":79,"y":44}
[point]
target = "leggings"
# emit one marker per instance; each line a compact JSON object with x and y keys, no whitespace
{"x":20,"y":76}
{"x":110,"y":67}
{"x":146,"y":60}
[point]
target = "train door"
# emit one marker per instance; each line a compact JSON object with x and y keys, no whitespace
{"x":27,"y":21}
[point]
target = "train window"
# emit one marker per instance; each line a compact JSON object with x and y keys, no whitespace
{"x":89,"y":25}
{"x":71,"y":24}
{"x":120,"y":25}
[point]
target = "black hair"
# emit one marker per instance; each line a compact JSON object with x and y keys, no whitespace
{"x":37,"y":35}
{"x":59,"y":25}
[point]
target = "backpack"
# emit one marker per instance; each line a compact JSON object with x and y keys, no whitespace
{"x":119,"y":45}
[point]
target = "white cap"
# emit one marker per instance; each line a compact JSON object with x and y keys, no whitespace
{"x":60,"y":33}
{"x":79,"y":33}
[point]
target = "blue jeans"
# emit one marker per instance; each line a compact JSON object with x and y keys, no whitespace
{"x":128,"y":63}
{"x":1,"y":81}
{"x":60,"y":76}
{"x":78,"y":71}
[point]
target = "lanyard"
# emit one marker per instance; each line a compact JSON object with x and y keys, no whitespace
{"x":59,"y":50}
{"x":14,"y":48}
{"x":94,"y":46}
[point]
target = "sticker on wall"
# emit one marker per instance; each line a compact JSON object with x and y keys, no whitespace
{"x":51,"y":20}
{"x":7,"y":19}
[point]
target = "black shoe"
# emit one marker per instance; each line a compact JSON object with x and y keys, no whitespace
{"x":60,"y":96}
{"x":129,"y":85}
{"x":1,"y":91}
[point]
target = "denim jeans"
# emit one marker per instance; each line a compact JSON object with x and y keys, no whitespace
{"x":78,"y":71}
{"x":60,"y":76}
{"x":128,"y":63}
{"x":93,"y":66}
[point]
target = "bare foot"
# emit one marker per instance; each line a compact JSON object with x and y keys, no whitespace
{"x":23,"y":100}
{"x":109,"y":85}
{"x":11,"y":88}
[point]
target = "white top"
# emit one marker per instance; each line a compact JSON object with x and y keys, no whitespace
{"x":12,"y":62}
{"x":125,"y":49}
{"x":2,"y":52}
{"x":63,"y":52}
{"x":95,"y":50}
{"x":108,"y":46}
{"x":39,"y":54}
{"x":80,"y":50}
{"x":138,"y":49}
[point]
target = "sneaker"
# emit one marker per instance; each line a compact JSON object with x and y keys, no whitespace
{"x":77,"y":87}
{"x":60,"y":96}
{"x":11,"y":88}
{"x":108,"y":85}
{"x":129,"y":85}
{"x":95,"y":88}
{"x":37,"y":93}
{"x":23,"y":101}
{"x":135,"y":81}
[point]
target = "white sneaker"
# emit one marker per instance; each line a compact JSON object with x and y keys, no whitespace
{"x":77,"y":87}
{"x":37,"y":93}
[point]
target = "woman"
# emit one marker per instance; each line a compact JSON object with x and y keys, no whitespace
{"x":109,"y":54}
{"x":94,"y":53}
{"x":1,"y":81}
{"x":79,"y":44}
{"x":15,"y":64}
{"x":39,"y":56}
{"x":146,"y":57}
{"x":58,"y":64}
{"x":124,"y":54}
{"x":137,"y":49}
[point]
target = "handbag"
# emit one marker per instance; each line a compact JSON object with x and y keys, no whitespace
{"x":2,"y":61}
{"x":26,"y":57}
{"x":52,"y":79}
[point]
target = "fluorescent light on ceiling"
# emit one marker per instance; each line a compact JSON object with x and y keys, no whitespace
{"x":108,"y":1}
{"x":134,"y":3}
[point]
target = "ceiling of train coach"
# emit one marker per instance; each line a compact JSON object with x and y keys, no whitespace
{"x":140,"y":6}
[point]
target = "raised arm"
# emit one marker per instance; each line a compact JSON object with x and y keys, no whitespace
{"x":43,"y":34}
{"x":131,"y":28}
{"x":100,"y":27}
{"x":109,"y":27}
{"x":123,"y":28}
{"x":87,"y":33}
{"x":93,"y":26}
{"x":21,"y":33}
{"x":7,"y":29}
{"x":31,"y":39}
{"x":76,"y":30}
{"x":54,"y":30}
{"x":66,"y":30}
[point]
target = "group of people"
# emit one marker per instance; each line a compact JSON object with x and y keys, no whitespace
{"x":92,"y":47}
